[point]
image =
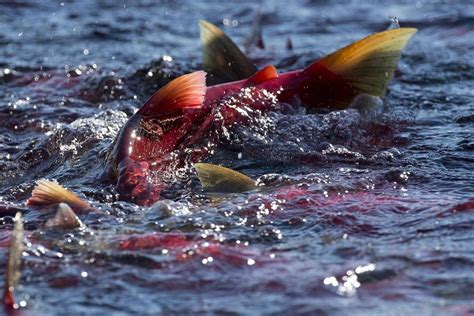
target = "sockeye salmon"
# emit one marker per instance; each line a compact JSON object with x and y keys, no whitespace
{"x":179,"y":114}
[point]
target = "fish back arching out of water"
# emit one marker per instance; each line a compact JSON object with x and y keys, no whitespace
{"x":180,"y":114}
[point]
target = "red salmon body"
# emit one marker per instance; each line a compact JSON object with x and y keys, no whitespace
{"x":168,"y":131}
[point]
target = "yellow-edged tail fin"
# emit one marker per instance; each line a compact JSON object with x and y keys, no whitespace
{"x":365,"y":66}
{"x":221,"y":56}
{"x":47,"y":193}
{"x":64,"y":218}
{"x":14,"y":261}
{"x":221,"y":179}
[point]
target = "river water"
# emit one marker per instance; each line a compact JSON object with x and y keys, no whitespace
{"x":359,"y":215}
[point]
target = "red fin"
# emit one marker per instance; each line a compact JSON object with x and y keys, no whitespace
{"x":47,"y":193}
{"x":267,"y":73}
{"x":187,"y":91}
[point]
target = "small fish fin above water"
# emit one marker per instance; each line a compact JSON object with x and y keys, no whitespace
{"x":13,"y":263}
{"x":221,"y":179}
{"x":289,"y":44}
{"x":47,"y":193}
{"x":187,"y":91}
{"x":267,"y":73}
{"x":221,"y":56}
{"x":365,"y":66}
{"x":64,"y":218}
{"x":255,"y":39}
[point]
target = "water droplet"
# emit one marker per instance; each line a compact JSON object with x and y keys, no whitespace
{"x":331,"y":281}
{"x":367,"y":268}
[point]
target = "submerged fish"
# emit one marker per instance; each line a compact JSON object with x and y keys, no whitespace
{"x":179,"y":115}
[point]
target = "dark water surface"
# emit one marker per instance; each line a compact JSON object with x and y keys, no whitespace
{"x":359,"y":215}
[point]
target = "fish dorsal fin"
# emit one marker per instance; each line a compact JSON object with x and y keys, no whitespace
{"x":267,"y":73}
{"x":221,"y":179}
{"x":221,"y":56}
{"x":13,"y":262}
{"x":64,"y":218}
{"x":47,"y":193}
{"x":187,"y":91}
{"x":255,"y":39}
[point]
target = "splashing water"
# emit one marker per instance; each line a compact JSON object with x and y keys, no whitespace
{"x":354,"y":214}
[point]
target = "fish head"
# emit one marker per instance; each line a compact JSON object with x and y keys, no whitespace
{"x":156,"y":135}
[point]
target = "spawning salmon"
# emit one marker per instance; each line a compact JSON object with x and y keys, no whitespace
{"x":178,"y":115}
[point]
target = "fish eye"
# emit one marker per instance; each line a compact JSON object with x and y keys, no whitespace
{"x":155,"y":128}
{"x":151,"y":128}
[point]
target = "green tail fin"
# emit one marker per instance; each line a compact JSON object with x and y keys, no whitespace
{"x":369,"y":64}
{"x":365,"y":66}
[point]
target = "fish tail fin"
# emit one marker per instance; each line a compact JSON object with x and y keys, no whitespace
{"x":222,"y":58}
{"x":221,"y":179}
{"x":365,"y":66}
{"x":13,"y":262}
{"x":47,"y":193}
